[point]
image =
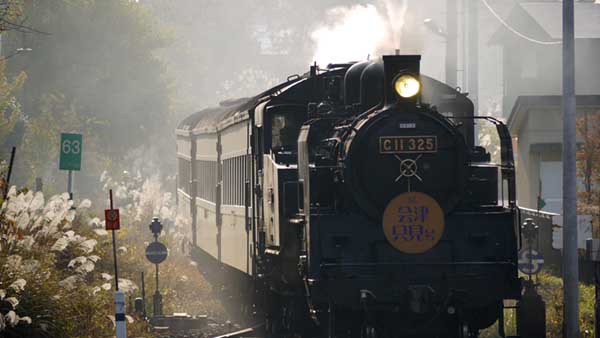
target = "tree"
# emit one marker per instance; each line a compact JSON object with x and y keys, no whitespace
{"x":219,"y":42}
{"x":10,"y":117}
{"x":10,"y":13}
{"x":41,"y":142}
{"x":588,"y":157}
{"x":97,"y":72}
{"x":101,"y":54}
{"x":10,"y":109}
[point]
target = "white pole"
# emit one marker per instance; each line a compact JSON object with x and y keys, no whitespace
{"x":120,"y":323}
{"x":570,"y":256}
{"x":451,"y":42}
{"x":473,"y":26}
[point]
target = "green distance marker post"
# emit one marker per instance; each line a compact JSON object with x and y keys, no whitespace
{"x":71,"y":146}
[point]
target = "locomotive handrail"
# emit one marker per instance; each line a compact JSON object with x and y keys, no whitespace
{"x":506,"y":155}
{"x":293,"y":77}
{"x":507,"y":160}
{"x":520,"y":244}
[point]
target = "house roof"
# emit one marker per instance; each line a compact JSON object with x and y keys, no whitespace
{"x":524,"y":104}
{"x":549,"y":16}
{"x":543,"y":21}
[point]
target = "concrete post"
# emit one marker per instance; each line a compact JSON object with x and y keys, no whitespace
{"x":451,"y":42}
{"x":570,"y":255}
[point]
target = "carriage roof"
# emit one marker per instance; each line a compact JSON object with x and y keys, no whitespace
{"x":213,"y":118}
{"x":209,"y":118}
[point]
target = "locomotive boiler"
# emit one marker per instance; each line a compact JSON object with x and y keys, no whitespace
{"x":352,"y":201}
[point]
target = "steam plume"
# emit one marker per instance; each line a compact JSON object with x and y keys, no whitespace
{"x":356,"y":32}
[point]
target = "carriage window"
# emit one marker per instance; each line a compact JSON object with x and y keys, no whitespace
{"x":236,"y":171}
{"x":206,"y":179}
{"x":285,"y":128}
{"x":184,"y":176}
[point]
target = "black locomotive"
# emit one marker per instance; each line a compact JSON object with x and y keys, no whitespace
{"x":352,"y":202}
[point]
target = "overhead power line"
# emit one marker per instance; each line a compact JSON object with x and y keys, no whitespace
{"x":516,"y":32}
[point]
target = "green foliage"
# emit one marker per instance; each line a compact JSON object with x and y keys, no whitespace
{"x":183,"y":288}
{"x":10,"y":109}
{"x":96,"y":72}
{"x":588,"y":157}
{"x":52,"y":260}
{"x":551,"y":289}
{"x":101,"y":56}
{"x":10,"y":12}
{"x":41,"y":140}
{"x":56,"y":262}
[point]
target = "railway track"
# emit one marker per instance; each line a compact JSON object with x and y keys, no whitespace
{"x":250,"y":332}
{"x":178,"y":326}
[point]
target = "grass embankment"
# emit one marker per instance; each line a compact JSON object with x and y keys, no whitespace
{"x":551,"y":289}
{"x":56,"y":264}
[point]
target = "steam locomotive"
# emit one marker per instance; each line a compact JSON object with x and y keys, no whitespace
{"x":352,"y":201}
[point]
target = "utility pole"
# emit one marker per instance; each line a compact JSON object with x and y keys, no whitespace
{"x":473,"y":32}
{"x":451,"y":42}
{"x":570,"y":256}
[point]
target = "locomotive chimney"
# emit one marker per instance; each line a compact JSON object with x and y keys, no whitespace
{"x":402,"y":83}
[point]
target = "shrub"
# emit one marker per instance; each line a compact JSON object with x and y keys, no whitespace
{"x":551,"y":289}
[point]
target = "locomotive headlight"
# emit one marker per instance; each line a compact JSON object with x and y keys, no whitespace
{"x":407,"y":86}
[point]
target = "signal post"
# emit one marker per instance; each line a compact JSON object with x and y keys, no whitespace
{"x":156,"y":253}
{"x":113,"y":222}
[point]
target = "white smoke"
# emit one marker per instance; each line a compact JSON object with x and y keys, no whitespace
{"x":357,"y":32}
{"x":395,"y":14}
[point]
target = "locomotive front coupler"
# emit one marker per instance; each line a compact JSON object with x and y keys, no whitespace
{"x":420,"y":298}
{"x":365,"y":296}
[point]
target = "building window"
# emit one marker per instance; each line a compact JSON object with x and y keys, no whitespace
{"x":549,"y":186}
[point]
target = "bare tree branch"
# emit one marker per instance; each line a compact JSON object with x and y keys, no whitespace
{"x":10,"y":12}
{"x":20,"y":27}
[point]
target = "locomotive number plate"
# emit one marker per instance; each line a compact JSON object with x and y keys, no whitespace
{"x":407,"y":144}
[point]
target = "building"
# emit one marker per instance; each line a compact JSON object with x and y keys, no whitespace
{"x":532,"y":76}
{"x":536,"y":123}
{"x":532,"y":52}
